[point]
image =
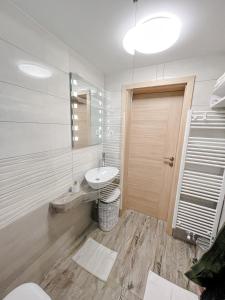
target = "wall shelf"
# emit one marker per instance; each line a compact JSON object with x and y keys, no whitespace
{"x":218,"y":102}
{"x":219,"y":89}
{"x":218,"y":95}
{"x":70,"y":200}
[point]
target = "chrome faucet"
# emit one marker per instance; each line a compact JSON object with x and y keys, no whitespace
{"x":103,"y":159}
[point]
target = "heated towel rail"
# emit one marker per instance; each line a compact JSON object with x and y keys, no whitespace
{"x":201,"y":185}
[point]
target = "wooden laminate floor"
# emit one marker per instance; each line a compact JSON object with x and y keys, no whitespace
{"x":142,"y":245}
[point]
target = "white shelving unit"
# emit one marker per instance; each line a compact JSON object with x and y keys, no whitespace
{"x":218,"y":102}
{"x":218,"y":96}
{"x":201,"y":186}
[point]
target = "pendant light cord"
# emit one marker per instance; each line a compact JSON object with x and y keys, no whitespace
{"x":135,"y":23}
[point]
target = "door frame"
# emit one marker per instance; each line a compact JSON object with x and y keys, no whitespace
{"x":184,"y":83}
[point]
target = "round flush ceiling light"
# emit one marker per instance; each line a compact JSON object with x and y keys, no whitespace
{"x":35,"y":70}
{"x":153,"y":34}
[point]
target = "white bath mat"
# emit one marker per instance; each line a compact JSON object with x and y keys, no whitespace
{"x":158,"y":288}
{"x":96,"y":259}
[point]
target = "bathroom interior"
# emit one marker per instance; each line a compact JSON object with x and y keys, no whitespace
{"x":112,"y":149}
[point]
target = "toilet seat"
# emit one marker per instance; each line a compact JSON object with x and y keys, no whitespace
{"x":27,"y":291}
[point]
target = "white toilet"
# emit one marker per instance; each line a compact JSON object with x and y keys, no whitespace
{"x":27,"y":291}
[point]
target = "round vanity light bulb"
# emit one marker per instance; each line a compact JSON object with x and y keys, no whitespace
{"x":153,"y":34}
{"x":74,"y":81}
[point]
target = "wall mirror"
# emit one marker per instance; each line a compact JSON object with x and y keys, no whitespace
{"x":86,"y":112}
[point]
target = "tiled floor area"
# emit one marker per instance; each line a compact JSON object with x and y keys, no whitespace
{"x":142,"y":245}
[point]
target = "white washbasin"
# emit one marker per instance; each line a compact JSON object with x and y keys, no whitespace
{"x":100,"y":177}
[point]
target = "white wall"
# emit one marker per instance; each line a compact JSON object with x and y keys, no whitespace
{"x":206,"y":69}
{"x":35,"y":152}
{"x":35,"y":156}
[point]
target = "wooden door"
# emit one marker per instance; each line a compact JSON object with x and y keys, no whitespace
{"x":152,"y":140}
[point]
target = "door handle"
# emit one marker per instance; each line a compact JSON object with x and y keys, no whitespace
{"x":171,"y":158}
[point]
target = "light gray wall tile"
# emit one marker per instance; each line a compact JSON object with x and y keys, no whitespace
{"x":22,"y":31}
{"x":202,"y":93}
{"x":11,"y":57}
{"x":204,"y":68}
{"x":36,"y":159}
{"x":79,"y":65}
{"x":21,"y":138}
{"x":23,"y":105}
{"x":85,"y":159}
{"x":29,"y":181}
{"x":144,"y":74}
{"x":114,"y":81}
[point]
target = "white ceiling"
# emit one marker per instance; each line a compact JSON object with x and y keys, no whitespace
{"x":95,"y":28}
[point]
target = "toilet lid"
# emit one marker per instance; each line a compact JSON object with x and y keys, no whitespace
{"x":27,"y":291}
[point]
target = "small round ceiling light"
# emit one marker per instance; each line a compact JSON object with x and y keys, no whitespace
{"x":35,"y":70}
{"x":153,"y":34}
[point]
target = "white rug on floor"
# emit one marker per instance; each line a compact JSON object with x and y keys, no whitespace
{"x":158,"y":288}
{"x":96,"y":259}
